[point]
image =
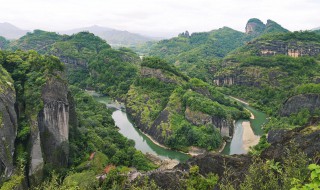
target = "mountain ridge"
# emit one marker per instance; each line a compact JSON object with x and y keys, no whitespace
{"x":10,"y":31}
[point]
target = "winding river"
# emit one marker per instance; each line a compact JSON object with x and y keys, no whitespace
{"x":145,"y":145}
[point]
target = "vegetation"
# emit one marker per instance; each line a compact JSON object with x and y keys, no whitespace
{"x":170,"y":93}
{"x":90,"y":61}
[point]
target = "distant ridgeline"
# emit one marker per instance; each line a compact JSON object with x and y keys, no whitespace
{"x":178,"y":111}
{"x":194,"y":54}
{"x":91,"y":62}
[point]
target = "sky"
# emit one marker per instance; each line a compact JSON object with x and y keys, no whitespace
{"x":161,"y":18}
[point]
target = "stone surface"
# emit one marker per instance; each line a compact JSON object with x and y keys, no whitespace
{"x":303,"y":101}
{"x":8,"y":126}
{"x":54,"y":123}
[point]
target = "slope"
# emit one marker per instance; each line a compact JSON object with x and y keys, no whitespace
{"x":177,"y":111}
{"x":195,"y":54}
{"x":91,"y":62}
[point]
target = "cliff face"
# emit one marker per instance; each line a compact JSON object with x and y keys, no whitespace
{"x":8,"y":124}
{"x":296,"y":103}
{"x":50,"y":131}
{"x":53,"y":122}
{"x":290,"y":48}
{"x":255,"y":26}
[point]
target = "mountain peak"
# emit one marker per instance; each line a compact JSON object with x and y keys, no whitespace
{"x":10,"y":31}
{"x":256,"y":27}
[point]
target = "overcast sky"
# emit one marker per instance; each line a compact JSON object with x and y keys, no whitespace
{"x":158,"y":17}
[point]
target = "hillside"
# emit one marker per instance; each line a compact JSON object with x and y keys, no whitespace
{"x":115,"y":38}
{"x":10,"y":31}
{"x":177,"y":111}
{"x":194,"y":54}
{"x":91,"y":62}
{"x":271,"y":69}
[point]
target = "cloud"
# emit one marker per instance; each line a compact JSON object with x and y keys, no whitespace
{"x":158,"y":17}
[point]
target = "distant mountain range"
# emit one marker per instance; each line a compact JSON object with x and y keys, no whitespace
{"x":112,"y":36}
{"x":10,"y":31}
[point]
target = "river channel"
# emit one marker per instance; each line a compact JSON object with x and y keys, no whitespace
{"x":145,"y":145}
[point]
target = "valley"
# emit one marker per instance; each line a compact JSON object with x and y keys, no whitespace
{"x":76,"y":113}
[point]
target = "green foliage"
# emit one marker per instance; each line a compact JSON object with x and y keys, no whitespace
{"x":271,"y":174}
{"x":150,"y":96}
{"x":308,"y":88}
{"x":90,"y":61}
{"x":194,"y":54}
{"x":196,"y":181}
{"x":14,"y":182}
{"x":314,"y":181}
{"x":269,"y":80}
{"x":304,"y":36}
{"x":261,"y":146}
{"x":97,"y":133}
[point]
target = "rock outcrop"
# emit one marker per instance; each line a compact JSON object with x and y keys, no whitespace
{"x":159,"y":74}
{"x":255,"y":26}
{"x":198,"y":118}
{"x":235,"y":167}
{"x":54,"y":123}
{"x":303,"y":139}
{"x":50,"y":131}
{"x":290,"y":48}
{"x":296,"y":103}
{"x":8,"y":124}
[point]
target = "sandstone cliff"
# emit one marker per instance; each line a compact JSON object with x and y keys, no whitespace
{"x":50,"y":133}
{"x":296,"y":103}
{"x":8,"y":124}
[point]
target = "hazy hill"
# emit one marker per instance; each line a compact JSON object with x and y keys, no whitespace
{"x":112,"y":36}
{"x":10,"y":31}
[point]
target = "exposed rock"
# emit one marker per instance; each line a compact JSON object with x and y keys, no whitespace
{"x":218,"y":164}
{"x":54,"y":123}
{"x":299,"y":102}
{"x":157,"y":73}
{"x":197,"y":117}
{"x":36,"y":158}
{"x":225,"y":126}
{"x":255,"y":26}
{"x":290,"y":48}
{"x":8,"y":125}
{"x":304,"y":139}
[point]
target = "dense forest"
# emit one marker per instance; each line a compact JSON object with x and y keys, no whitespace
{"x":54,"y":135}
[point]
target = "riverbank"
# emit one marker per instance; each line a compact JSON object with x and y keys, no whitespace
{"x":248,"y":137}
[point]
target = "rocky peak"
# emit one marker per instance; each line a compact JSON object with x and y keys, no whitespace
{"x":255,"y":26}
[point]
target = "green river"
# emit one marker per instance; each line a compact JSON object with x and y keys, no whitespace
{"x":144,"y":144}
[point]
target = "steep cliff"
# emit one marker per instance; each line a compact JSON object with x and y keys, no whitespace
{"x":296,"y":103}
{"x":256,"y":27}
{"x":8,"y":124}
{"x":39,"y":116}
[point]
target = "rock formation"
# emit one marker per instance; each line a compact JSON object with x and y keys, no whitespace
{"x":302,"y":101}
{"x":254,"y":26}
{"x":8,"y":124}
{"x":49,"y":134}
